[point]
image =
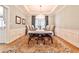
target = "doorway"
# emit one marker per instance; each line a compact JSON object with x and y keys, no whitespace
{"x":2,"y":24}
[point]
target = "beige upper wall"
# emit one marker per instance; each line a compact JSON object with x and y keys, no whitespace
{"x":51,"y":20}
{"x":29,"y":20}
{"x":68,"y":17}
{"x":16,"y":11}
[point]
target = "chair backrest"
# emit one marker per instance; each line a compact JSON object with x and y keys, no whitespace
{"x":51,"y":27}
{"x":47,"y":27}
{"x":28,"y":28}
{"x":31,"y":27}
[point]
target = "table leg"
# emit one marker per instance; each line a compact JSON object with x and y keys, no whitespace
{"x":44,"y":41}
{"x":51,"y":39}
{"x":37,"y":40}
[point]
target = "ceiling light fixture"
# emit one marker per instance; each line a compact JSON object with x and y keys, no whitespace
{"x":41,"y":16}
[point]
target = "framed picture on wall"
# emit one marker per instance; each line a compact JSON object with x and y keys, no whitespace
{"x":23,"y":21}
{"x":18,"y":20}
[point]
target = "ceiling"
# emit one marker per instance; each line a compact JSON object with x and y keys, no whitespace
{"x":40,"y":9}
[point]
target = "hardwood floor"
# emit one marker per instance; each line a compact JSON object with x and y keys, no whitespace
{"x":20,"y":45}
{"x":67,"y":44}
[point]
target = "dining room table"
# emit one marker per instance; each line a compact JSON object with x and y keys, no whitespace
{"x":40,"y":34}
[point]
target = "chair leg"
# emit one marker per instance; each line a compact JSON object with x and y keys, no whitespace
{"x":50,"y":38}
{"x":29,"y":40}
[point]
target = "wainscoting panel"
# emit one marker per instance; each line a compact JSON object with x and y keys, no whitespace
{"x":69,"y":35}
{"x":15,"y":33}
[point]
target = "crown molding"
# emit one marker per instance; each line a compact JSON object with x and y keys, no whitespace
{"x":36,"y":13}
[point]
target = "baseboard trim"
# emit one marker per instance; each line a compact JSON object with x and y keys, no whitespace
{"x":63,"y":40}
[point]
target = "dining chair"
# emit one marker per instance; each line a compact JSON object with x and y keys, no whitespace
{"x":52,"y":28}
{"x":47,"y":27}
{"x":32,"y":26}
{"x":28,"y":28}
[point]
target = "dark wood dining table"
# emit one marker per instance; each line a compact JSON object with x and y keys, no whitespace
{"x":40,"y":34}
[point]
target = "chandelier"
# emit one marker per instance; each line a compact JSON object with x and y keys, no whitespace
{"x":41,"y":16}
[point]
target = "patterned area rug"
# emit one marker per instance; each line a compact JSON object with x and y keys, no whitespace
{"x":23,"y":47}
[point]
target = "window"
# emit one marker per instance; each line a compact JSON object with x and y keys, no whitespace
{"x":40,"y":22}
{"x":2,"y":14}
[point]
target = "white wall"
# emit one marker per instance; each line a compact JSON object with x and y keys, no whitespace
{"x":15,"y":30}
{"x":50,"y":20}
{"x":67,"y":24}
{"x":29,"y":20}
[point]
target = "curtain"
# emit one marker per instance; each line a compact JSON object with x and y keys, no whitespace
{"x":46,"y":20}
{"x":33,"y":21}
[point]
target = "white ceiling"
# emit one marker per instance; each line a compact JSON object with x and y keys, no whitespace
{"x":44,"y":9}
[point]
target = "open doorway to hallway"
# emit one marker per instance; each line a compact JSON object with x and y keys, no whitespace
{"x":2,"y":24}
